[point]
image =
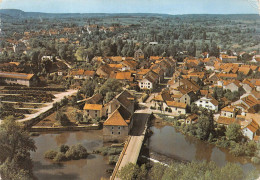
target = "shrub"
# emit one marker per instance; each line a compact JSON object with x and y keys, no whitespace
{"x":255,"y":160}
{"x":223,"y":143}
{"x":64,"y":148}
{"x":50,"y":154}
{"x":60,"y":157}
{"x":76,"y":152}
{"x":237,"y":150}
{"x":113,"y":159}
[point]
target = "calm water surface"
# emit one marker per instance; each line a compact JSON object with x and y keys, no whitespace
{"x":168,"y":142}
{"x":92,"y":168}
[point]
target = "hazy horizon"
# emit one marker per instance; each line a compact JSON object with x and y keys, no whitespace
{"x":172,"y":7}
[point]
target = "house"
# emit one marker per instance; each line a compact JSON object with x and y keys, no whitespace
{"x":247,"y":103}
{"x":250,"y":129}
{"x":124,"y":99}
{"x":104,"y":71}
{"x":176,"y":107}
{"x":124,"y":76}
{"x":227,"y":76}
{"x":187,"y":96}
{"x":139,"y":54}
{"x":95,"y":99}
{"x":18,"y":78}
{"x":118,"y":125}
{"x":228,"y":59}
{"x":192,"y":119}
{"x":128,"y":65}
{"x":226,"y":121}
{"x":187,"y":85}
{"x":228,"y":111}
{"x":93,"y":110}
{"x":160,"y":72}
{"x":233,"y":85}
{"x":208,"y":102}
{"x":213,"y":78}
{"x":116,"y":59}
{"x":256,"y":58}
{"x":247,"y":85}
{"x":147,"y":83}
{"x":159,"y":101}
{"x":116,"y":67}
{"x":245,"y":70}
{"x":140,"y":74}
{"x":82,"y":74}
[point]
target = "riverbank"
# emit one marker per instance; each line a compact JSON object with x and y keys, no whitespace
{"x":238,"y":148}
{"x":63,"y":128}
{"x":168,"y":142}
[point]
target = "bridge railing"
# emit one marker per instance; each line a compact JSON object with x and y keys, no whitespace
{"x":113,"y":176}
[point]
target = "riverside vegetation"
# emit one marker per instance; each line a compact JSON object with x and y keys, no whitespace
{"x":66,"y":153}
{"x":193,"y":170}
{"x":229,"y":137}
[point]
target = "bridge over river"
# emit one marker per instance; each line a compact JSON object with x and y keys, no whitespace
{"x":133,"y":145}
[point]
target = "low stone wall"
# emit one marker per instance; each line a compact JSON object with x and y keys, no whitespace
{"x":68,"y":128}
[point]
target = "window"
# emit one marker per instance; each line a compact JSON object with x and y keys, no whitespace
{"x":225,"y":114}
{"x":207,"y":102}
{"x":200,"y":101}
{"x":112,"y":132}
{"x":148,"y":83}
{"x":95,"y":115}
{"x":118,"y":132}
{"x":179,"y":112}
{"x":112,"y":127}
{"x":95,"y":111}
{"x":148,"y":86}
{"x":119,"y":127}
{"x":185,"y":99}
{"x":88,"y":111}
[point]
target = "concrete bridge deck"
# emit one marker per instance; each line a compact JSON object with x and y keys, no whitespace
{"x":132,"y":148}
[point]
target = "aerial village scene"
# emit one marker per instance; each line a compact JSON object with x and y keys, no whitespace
{"x":129,"y":90}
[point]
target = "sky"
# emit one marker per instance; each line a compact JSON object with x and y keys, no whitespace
{"x":134,"y":6}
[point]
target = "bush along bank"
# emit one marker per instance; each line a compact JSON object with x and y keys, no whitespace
{"x":67,"y":153}
{"x":229,"y":137}
{"x":112,"y":153}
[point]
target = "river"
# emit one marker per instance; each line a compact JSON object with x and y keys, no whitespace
{"x":168,"y":143}
{"x":92,"y":168}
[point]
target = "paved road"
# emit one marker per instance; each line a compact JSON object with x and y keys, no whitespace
{"x":140,"y":120}
{"x":136,"y":140}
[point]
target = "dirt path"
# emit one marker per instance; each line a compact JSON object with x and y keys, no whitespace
{"x":58,"y":98}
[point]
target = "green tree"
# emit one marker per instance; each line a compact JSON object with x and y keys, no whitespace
{"x":111,"y":85}
{"x":157,"y":171}
{"x":205,"y":126}
{"x":62,"y":118}
{"x":15,"y":145}
{"x":194,"y":108}
{"x":234,"y":133}
{"x":129,"y":172}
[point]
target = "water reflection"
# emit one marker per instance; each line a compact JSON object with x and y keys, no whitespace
{"x":167,"y":141}
{"x":94,"y":167}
